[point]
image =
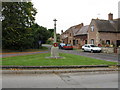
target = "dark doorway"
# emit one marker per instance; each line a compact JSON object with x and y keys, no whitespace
{"x":118,"y":43}
{"x":73,"y":42}
{"x":85,"y":41}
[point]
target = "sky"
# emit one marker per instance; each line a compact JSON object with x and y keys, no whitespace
{"x":72,"y":12}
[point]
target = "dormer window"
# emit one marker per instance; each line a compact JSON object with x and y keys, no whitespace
{"x":92,"y":28}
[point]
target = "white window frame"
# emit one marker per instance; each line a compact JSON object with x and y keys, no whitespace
{"x":92,"y":28}
{"x":92,"y":41}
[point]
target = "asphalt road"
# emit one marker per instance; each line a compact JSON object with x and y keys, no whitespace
{"x":62,"y":80}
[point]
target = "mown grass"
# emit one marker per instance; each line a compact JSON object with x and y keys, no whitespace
{"x":41,"y":60}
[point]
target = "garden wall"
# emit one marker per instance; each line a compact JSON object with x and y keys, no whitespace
{"x":110,"y":50}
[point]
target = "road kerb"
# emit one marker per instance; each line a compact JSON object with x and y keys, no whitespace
{"x":57,"y":71}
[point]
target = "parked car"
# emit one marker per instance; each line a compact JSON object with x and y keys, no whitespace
{"x":91,"y":48}
{"x":68,"y":47}
{"x":61,"y":45}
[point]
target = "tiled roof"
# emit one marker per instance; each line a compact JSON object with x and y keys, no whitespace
{"x":82,"y":31}
{"x":75,"y":28}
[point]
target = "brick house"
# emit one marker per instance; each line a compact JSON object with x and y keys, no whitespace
{"x":104,"y":32}
{"x":67,"y":37}
{"x":81,"y":36}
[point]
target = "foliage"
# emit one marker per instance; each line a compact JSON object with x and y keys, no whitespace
{"x":16,"y":25}
{"x":51,"y":32}
{"x":19,"y":30}
{"x":40,"y":34}
{"x":49,"y":41}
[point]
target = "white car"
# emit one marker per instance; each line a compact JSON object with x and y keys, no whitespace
{"x":61,"y":45}
{"x":91,"y":48}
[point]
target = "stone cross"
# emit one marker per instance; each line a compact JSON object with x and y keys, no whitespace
{"x":54,"y":48}
{"x":55,"y":30}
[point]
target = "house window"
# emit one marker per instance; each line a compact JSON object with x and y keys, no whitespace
{"x":92,"y":41}
{"x":77,"y":42}
{"x":70,"y":41}
{"x":70,"y":34}
{"x":108,"y":42}
{"x":92,"y":28}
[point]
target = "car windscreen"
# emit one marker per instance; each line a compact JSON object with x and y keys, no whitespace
{"x":93,"y":46}
{"x":68,"y":45}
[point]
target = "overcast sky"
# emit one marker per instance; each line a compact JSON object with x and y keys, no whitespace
{"x":73,"y":12}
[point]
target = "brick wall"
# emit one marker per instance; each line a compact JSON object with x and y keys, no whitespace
{"x":110,"y":36}
{"x":93,"y":34}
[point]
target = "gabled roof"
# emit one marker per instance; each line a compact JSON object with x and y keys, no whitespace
{"x":82,"y":31}
{"x":75,"y":28}
{"x":107,"y":25}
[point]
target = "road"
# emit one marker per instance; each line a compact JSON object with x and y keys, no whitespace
{"x":61,"y":80}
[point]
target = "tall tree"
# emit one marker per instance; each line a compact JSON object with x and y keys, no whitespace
{"x":16,"y":25}
{"x":51,"y":32}
{"x":41,"y":34}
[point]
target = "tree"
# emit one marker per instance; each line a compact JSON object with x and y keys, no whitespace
{"x":41,"y":34}
{"x":16,"y":25}
{"x":51,"y":32}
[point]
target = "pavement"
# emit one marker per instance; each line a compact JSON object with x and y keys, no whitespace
{"x":62,"y":80}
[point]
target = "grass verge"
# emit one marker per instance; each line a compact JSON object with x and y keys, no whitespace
{"x":41,"y":60}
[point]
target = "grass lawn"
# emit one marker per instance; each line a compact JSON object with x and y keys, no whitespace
{"x":40,"y":60}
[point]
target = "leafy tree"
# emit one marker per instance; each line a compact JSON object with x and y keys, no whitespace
{"x":16,"y":25}
{"x":41,"y":34}
{"x":51,"y":32}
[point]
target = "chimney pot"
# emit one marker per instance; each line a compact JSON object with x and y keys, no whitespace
{"x":61,"y":31}
{"x":110,"y":16}
{"x":82,"y":24}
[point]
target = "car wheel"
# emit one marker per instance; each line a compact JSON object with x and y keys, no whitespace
{"x":84,"y":50}
{"x":99,"y":52}
{"x":92,"y":51}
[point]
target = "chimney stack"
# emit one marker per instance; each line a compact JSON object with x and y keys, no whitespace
{"x":82,"y":24}
{"x":110,"y":16}
{"x":61,"y":31}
